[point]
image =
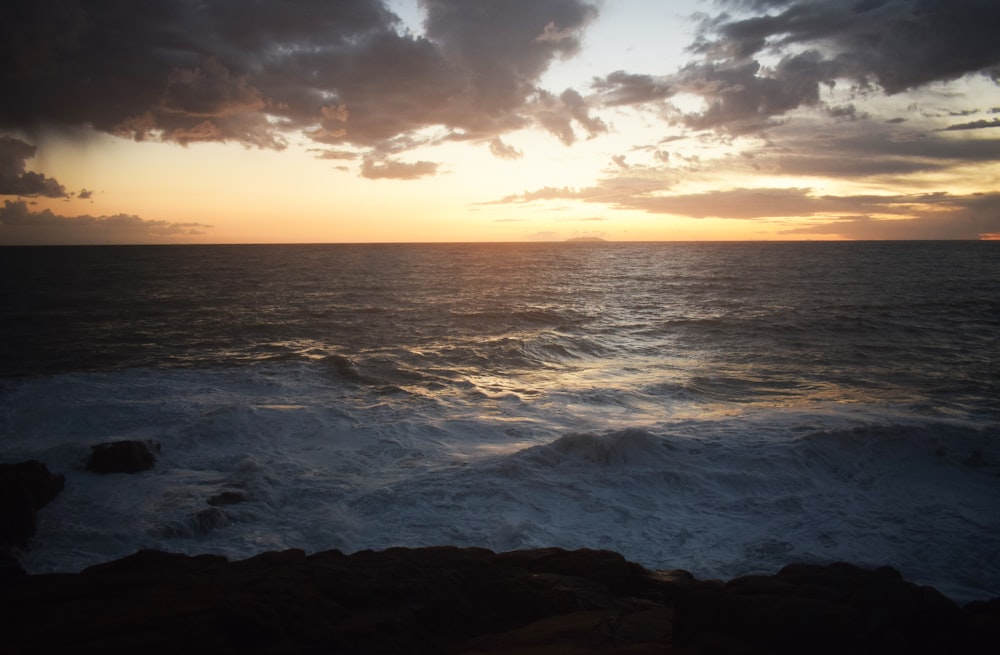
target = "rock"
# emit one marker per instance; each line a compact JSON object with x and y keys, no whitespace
{"x":838,"y":608}
{"x":206,"y":520}
{"x":25,"y":488}
{"x":470,"y":600}
{"x":196,"y":524}
{"x":123,"y":457}
{"x":345,"y":368}
{"x":227,"y":498}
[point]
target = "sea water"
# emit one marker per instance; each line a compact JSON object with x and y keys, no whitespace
{"x":726,"y":408}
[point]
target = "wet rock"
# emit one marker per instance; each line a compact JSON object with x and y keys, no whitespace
{"x":196,"y":524}
{"x":469,"y":600}
{"x":345,"y":368}
{"x":227,"y":498}
{"x":206,"y":520}
{"x":821,"y":609}
{"x":123,"y":457}
{"x":25,"y":488}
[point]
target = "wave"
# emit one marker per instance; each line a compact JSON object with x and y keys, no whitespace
{"x":724,"y":408}
{"x":672,"y":473}
{"x":630,"y":448}
{"x":918,"y":496}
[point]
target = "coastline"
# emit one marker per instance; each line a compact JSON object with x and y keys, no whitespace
{"x":448,"y":599}
{"x":471,"y":600}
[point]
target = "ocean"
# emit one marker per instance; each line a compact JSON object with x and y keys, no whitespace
{"x":725,"y":408}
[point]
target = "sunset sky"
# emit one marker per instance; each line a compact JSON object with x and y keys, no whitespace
{"x":214,"y":121}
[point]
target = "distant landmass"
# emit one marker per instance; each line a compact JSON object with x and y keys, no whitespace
{"x":586,"y":240}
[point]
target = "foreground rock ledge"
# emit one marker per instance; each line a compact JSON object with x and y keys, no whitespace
{"x":451,"y":600}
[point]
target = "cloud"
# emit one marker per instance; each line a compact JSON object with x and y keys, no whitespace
{"x":734,"y":203}
{"x":336,"y":155}
{"x":495,"y":46}
{"x":622,"y":88}
{"x":577,"y":107}
{"x":864,"y":148}
{"x":740,"y":95}
{"x":15,"y":180}
{"x":743,"y":97}
{"x":501,"y":150}
{"x":343,"y":73}
{"x":973,"y":125}
{"x":396,"y":170}
{"x":933,"y":216}
{"x":770,"y":57}
{"x":897,"y":44}
{"x":936,"y":215}
{"x":21,"y":226}
{"x":558,"y":115}
{"x":610,"y":191}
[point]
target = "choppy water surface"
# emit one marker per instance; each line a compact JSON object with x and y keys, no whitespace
{"x":725,"y":408}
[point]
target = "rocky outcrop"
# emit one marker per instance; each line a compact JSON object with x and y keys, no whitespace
{"x":227,"y":498}
{"x":451,"y":600}
{"x":25,"y":488}
{"x":838,"y":608}
{"x":122,"y":457}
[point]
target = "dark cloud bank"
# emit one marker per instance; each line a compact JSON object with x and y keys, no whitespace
{"x":350,"y":77}
{"x":768,"y":57}
{"x":344,"y":72}
{"x":15,"y":180}
{"x":19,"y":225}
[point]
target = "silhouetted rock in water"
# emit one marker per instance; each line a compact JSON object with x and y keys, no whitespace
{"x":451,"y":600}
{"x":123,"y":457}
{"x":227,"y":498}
{"x":346,"y":369}
{"x":825,"y":609}
{"x":25,"y":488}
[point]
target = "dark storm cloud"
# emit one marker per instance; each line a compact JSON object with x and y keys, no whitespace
{"x":19,"y":225}
{"x":742,"y":97}
{"x":501,"y":48}
{"x":898,"y":44}
{"x":892,"y":45}
{"x":215,"y":70}
{"x":15,"y":180}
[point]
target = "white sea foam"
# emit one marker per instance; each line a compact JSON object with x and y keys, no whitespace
{"x":719,"y":489}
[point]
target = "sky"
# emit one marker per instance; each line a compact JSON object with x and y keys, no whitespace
{"x":294,"y":121}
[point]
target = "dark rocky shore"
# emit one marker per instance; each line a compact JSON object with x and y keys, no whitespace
{"x":452,"y":600}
